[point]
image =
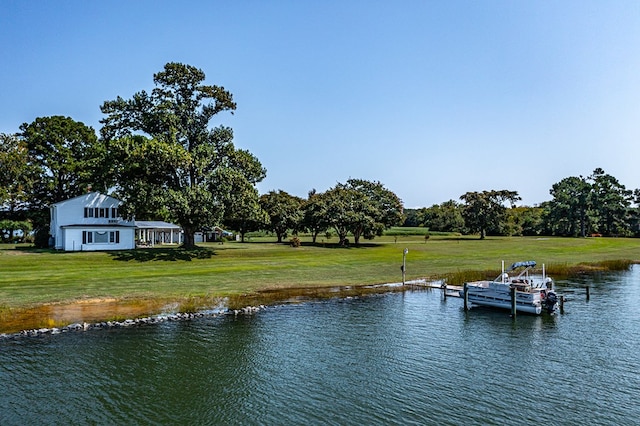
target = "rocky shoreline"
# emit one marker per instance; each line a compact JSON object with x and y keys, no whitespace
{"x":128,"y":323}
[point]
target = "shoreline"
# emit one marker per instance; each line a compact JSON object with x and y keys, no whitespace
{"x":110,"y":312}
{"x":128,"y":323}
{"x":282,"y":297}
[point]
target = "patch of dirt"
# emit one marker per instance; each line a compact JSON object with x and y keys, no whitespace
{"x":86,"y":310}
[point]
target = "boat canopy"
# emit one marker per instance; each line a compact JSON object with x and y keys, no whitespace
{"x":528,"y":264}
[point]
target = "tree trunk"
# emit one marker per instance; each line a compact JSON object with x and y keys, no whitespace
{"x":189,"y":238}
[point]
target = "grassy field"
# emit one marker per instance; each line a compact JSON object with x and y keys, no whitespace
{"x":30,"y":278}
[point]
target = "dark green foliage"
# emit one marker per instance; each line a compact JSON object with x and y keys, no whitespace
{"x":485,"y":211}
{"x":445,"y":217}
{"x":315,"y":218}
{"x":363,"y":208}
{"x":595,"y":204}
{"x":8,"y":230}
{"x":284,"y":211}
{"x":16,"y":175}
{"x":185,"y":172}
{"x":65,"y":157}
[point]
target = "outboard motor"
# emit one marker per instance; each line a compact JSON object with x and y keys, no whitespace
{"x":551,"y":301}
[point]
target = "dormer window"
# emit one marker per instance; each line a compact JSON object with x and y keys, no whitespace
{"x":101,"y":212}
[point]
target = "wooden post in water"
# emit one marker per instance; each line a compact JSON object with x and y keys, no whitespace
{"x":465,"y":293}
{"x":561,"y":304}
{"x":513,"y":302}
{"x":444,"y":288}
{"x":404,"y":263}
{"x":588,"y":293}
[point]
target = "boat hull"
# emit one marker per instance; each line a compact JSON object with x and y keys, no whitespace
{"x":502,"y":304}
{"x":498,"y":295}
{"x":532,"y":295}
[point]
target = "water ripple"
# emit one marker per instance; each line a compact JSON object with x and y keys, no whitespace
{"x":396,"y":359}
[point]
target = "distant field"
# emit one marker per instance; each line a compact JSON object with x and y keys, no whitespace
{"x":30,"y":277}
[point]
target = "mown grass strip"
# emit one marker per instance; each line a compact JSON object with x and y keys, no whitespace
{"x":30,"y":277}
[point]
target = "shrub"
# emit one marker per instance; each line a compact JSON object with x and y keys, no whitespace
{"x":294,"y":242}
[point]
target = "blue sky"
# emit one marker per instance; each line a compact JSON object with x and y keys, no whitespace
{"x":431,"y":98}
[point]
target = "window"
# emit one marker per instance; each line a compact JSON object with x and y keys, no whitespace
{"x":105,"y":212}
{"x":100,"y":237}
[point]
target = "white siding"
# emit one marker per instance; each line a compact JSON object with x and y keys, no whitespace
{"x":73,"y":240}
{"x":68,"y":221}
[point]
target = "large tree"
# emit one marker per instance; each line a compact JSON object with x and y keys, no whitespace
{"x":315,"y":218}
{"x":16,"y":175}
{"x":381,"y":209}
{"x":65,"y":159}
{"x":244,"y":213}
{"x":568,"y":212}
{"x":184,"y":170}
{"x":485,"y":210}
{"x":610,"y":202}
{"x":363,"y":208}
{"x":284,"y":211}
{"x":445,"y":217}
{"x":586,"y":205}
{"x":65,"y":156}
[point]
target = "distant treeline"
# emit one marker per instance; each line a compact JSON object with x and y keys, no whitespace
{"x":596,"y":205}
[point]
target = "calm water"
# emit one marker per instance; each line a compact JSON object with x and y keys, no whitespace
{"x":408,"y":358}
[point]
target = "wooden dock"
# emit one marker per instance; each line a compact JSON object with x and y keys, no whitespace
{"x":449,"y":290}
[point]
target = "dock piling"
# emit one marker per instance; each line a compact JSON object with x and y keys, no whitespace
{"x":513,"y":302}
{"x":465,"y":292}
{"x":588,"y":293}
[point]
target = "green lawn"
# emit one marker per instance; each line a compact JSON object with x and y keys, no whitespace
{"x":29,"y":277}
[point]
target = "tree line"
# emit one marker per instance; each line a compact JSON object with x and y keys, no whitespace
{"x":158,"y":153}
{"x":597,"y":204}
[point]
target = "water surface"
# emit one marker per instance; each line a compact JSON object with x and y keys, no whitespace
{"x":411,"y":358}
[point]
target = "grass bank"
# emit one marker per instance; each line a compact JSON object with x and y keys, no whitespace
{"x":109,"y":285}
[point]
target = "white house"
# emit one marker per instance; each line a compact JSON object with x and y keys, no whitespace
{"x":90,"y":222}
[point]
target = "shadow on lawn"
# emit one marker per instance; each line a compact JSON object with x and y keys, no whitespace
{"x":168,"y":254}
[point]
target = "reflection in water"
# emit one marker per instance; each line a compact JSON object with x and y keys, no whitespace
{"x":410,"y":358}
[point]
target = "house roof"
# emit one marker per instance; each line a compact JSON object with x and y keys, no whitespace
{"x":154,"y":224}
{"x":90,"y":196}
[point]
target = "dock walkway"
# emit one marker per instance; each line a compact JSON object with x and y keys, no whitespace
{"x":450,"y":290}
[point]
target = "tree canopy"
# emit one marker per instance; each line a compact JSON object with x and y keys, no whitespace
{"x":183,"y":171}
{"x":284,"y":211}
{"x":586,"y":205}
{"x":64,"y":156}
{"x":16,"y":174}
{"x":363,"y":208}
{"x":486,"y":210}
